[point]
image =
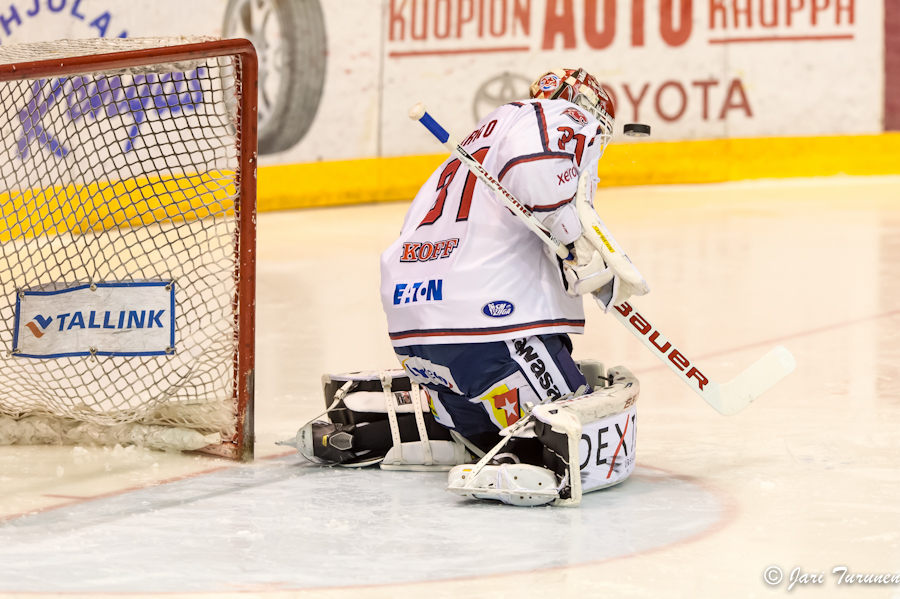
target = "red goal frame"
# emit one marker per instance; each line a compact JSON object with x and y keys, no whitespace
{"x":246,"y":79}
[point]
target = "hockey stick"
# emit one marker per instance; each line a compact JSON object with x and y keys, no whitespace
{"x":727,"y":398}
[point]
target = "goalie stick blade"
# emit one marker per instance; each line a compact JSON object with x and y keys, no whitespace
{"x":732,"y":397}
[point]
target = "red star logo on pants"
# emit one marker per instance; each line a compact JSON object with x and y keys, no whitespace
{"x":509,"y":403}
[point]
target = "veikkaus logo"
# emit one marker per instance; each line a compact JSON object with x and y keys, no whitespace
{"x":498,"y":309}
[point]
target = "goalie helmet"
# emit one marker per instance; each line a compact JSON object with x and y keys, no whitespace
{"x":580,"y":88}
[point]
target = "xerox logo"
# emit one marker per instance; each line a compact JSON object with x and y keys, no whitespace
{"x":570,"y":174}
{"x":498,"y":309}
{"x":416,"y":292}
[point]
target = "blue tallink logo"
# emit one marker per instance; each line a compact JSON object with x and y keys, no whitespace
{"x":125,"y":319}
{"x":419,"y":291}
{"x":498,"y":309}
{"x":137,"y":98}
{"x":38,"y":325}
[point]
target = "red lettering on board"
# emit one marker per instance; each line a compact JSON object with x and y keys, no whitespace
{"x":670,"y":35}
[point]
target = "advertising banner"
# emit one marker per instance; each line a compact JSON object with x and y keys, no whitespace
{"x":338,"y":76}
{"x":106,"y":319}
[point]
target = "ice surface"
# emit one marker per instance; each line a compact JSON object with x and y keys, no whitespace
{"x":300,"y":526}
{"x":807,"y":476}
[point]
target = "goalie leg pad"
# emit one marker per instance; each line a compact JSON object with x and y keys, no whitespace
{"x":590,"y":440}
{"x":589,"y":444}
{"x":377,"y":407}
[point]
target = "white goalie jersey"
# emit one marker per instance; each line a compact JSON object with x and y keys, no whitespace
{"x":465,"y":269}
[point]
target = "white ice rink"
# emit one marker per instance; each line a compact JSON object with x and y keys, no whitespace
{"x":808,"y":476}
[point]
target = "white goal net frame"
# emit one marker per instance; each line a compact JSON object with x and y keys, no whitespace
{"x":128,"y":164}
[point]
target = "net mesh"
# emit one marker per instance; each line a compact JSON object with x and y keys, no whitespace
{"x":123,"y":176}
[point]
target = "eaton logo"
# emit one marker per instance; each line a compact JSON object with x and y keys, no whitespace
{"x":498,"y":309}
{"x":431,"y":290}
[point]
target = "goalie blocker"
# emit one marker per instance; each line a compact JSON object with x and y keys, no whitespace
{"x":584,"y":443}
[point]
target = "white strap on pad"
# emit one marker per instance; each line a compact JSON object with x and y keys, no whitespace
{"x":392,"y":416}
{"x":420,"y":422}
{"x":423,"y":454}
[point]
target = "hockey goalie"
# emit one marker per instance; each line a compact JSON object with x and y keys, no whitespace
{"x":480,"y":312}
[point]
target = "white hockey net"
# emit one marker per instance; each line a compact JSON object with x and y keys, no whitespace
{"x":123,"y":174}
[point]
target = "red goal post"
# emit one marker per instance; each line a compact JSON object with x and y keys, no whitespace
{"x":128,"y":169}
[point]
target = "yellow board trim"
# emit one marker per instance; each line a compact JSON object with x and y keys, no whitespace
{"x":312,"y":185}
{"x":76,"y":209}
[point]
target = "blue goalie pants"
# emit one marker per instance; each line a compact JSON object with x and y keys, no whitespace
{"x":477,"y":388}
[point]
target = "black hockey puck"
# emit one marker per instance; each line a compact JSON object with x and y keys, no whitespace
{"x":637,"y":130}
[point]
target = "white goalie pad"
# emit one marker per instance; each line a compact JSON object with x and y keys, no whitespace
{"x":599,"y":433}
{"x":592,"y":438}
{"x":600,"y":267}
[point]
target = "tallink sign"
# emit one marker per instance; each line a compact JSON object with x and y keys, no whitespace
{"x":106,"y":319}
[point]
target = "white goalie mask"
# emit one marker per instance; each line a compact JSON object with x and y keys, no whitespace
{"x":582,"y":89}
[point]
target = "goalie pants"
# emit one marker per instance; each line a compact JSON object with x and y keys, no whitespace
{"x":478,"y":388}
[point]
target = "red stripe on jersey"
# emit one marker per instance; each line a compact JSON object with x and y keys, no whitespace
{"x":485,"y":331}
{"x":551,"y":207}
{"x":532,"y":158}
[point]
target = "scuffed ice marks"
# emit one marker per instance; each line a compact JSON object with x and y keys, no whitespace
{"x":282,"y":523}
